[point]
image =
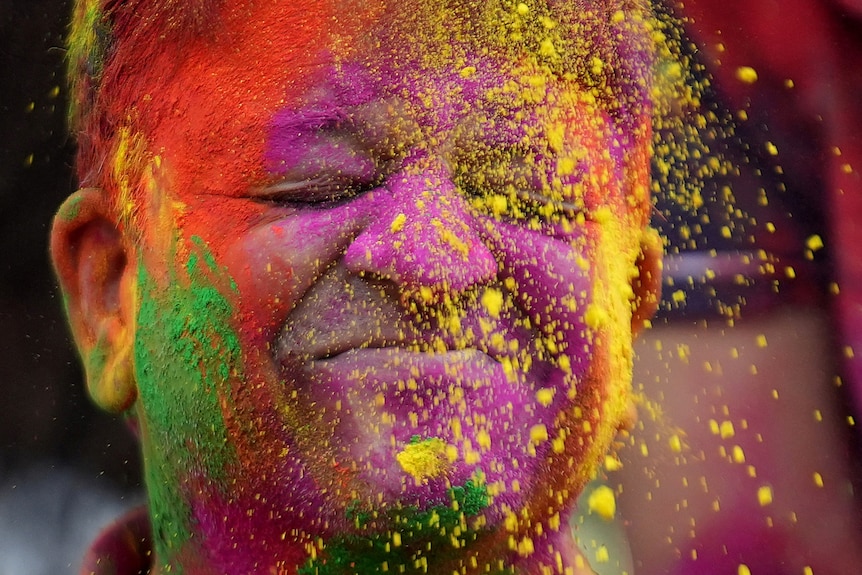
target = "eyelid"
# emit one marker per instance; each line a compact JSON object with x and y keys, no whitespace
{"x":313,"y":190}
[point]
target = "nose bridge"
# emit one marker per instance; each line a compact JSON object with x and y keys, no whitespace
{"x":422,"y":234}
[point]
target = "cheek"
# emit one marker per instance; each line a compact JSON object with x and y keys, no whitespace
{"x":275,"y":263}
{"x":554,"y":282}
{"x":185,"y":350}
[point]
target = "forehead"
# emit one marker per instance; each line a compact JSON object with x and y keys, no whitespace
{"x":207,"y":101}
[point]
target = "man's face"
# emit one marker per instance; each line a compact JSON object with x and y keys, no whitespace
{"x":374,"y":285}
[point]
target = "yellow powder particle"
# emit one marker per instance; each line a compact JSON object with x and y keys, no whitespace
{"x":726,"y":429}
{"x":602,"y":555}
{"x":771,"y":149}
{"x":558,"y":445}
{"x":675,"y":443}
{"x":612,"y":463}
{"x":483,"y":438}
{"x":807,"y":570}
{"x":764,"y":495}
{"x":738,"y":454}
{"x":818,"y":479}
{"x":397,"y":223}
{"x":510,"y":522}
{"x":761,"y":340}
{"x":814,"y":243}
{"x":545,"y":396}
{"x":547,"y":48}
{"x":602,"y":502}
{"x":396,"y":539}
{"x":746,"y":74}
{"x":499,"y":204}
{"x":603,"y":215}
{"x":526,"y":547}
{"x":451,"y":453}
{"x":595,"y":316}
{"x":743,"y":569}
{"x":538,"y":433}
{"x":548,"y":23}
{"x":424,"y":459}
{"x":492,"y":300}
{"x":566,"y":166}
{"x":426,"y":293}
{"x":450,"y":238}
{"x":467,"y":71}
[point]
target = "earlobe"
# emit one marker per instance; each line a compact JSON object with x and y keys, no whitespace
{"x":647,"y":284}
{"x":94,"y":266}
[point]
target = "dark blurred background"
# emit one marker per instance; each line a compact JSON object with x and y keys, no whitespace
{"x":59,"y":456}
{"x":46,"y":414}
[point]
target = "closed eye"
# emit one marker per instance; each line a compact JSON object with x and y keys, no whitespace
{"x":318,"y":192}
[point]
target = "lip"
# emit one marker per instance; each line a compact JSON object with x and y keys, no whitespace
{"x":326,"y":332}
{"x":377,"y":401}
{"x":423,"y":391}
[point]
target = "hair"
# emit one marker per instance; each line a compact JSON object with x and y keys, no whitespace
{"x":109,"y":41}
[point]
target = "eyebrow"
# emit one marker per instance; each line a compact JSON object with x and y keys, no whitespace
{"x":309,"y":119}
{"x":291,"y":128}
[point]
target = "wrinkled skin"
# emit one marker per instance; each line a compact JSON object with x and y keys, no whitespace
{"x":416,"y":277}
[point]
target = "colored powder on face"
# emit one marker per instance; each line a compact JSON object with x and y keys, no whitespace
{"x":184,"y":353}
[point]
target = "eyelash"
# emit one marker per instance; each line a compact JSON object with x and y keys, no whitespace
{"x":315,"y":194}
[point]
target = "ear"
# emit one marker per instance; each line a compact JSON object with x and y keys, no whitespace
{"x":95,"y":268}
{"x":647,"y":284}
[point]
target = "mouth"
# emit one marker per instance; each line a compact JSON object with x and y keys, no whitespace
{"x":392,"y":397}
{"x":414,"y":406}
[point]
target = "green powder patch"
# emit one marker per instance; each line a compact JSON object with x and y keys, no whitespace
{"x":72,"y":208}
{"x":414,"y":536}
{"x":185,"y":352}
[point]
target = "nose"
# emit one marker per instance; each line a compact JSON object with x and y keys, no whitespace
{"x":422,"y":234}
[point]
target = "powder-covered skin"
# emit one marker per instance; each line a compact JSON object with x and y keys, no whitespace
{"x":383,"y":272}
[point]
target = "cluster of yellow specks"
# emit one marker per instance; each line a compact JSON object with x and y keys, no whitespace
{"x":425,"y":459}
